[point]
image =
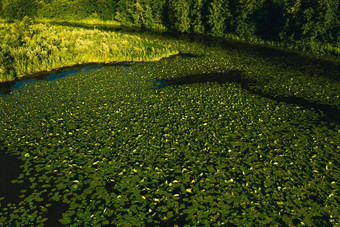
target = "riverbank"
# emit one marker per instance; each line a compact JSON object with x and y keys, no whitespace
{"x":315,"y":49}
{"x":28,"y":48}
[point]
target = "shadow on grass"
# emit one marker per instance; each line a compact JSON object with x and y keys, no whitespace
{"x":332,"y":114}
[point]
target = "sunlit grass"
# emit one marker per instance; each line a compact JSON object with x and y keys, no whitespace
{"x":43,"y":47}
{"x":88,"y":21}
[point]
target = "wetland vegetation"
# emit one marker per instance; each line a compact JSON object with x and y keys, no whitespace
{"x":110,"y":147}
{"x":28,"y":48}
{"x":219,"y":133}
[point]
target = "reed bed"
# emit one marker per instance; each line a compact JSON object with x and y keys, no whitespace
{"x":27,"y":48}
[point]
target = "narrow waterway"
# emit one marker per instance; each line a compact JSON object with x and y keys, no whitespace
{"x":8,"y":87}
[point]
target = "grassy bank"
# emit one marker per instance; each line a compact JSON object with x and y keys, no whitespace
{"x":92,"y":22}
{"x":28,"y":48}
{"x":316,"y":48}
{"x":107,"y":147}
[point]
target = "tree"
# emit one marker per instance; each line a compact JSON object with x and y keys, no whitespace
{"x":269,"y":20}
{"x":18,"y":9}
{"x":197,"y":17}
{"x":243,"y":20}
{"x":180,"y":11}
{"x":158,"y":10}
{"x":218,"y":14}
{"x":136,"y":12}
{"x":0,"y":8}
{"x":107,"y":9}
{"x":309,"y":21}
{"x":85,"y":8}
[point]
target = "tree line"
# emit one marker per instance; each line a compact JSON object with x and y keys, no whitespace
{"x":299,"y":22}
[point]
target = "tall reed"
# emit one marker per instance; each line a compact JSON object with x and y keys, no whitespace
{"x":28,"y":48}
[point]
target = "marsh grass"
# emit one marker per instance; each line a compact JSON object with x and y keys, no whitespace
{"x":28,"y":48}
{"x":89,"y":21}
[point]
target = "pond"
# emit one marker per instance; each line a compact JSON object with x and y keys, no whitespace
{"x":217,"y":134}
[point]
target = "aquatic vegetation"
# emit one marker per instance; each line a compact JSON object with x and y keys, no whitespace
{"x":268,"y":70}
{"x":28,"y":48}
{"x":112,"y":148}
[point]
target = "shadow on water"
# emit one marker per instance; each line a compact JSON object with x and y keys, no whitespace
{"x":275,"y":56}
{"x":55,"y":212}
{"x":231,"y":76}
{"x":188,"y":55}
{"x":332,"y":114}
{"x":9,"y":170}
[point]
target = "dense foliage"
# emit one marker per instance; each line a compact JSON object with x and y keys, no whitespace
{"x":309,"y":24}
{"x":109,"y":147}
{"x":26,"y":48}
{"x":17,"y":9}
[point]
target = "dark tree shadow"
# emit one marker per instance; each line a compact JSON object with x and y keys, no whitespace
{"x":332,"y":114}
{"x":6,"y":87}
{"x":228,"y":77}
{"x":9,"y":170}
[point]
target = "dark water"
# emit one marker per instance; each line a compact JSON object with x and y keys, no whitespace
{"x":8,"y":87}
{"x":9,"y":170}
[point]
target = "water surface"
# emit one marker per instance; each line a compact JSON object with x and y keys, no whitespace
{"x":8,"y":87}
